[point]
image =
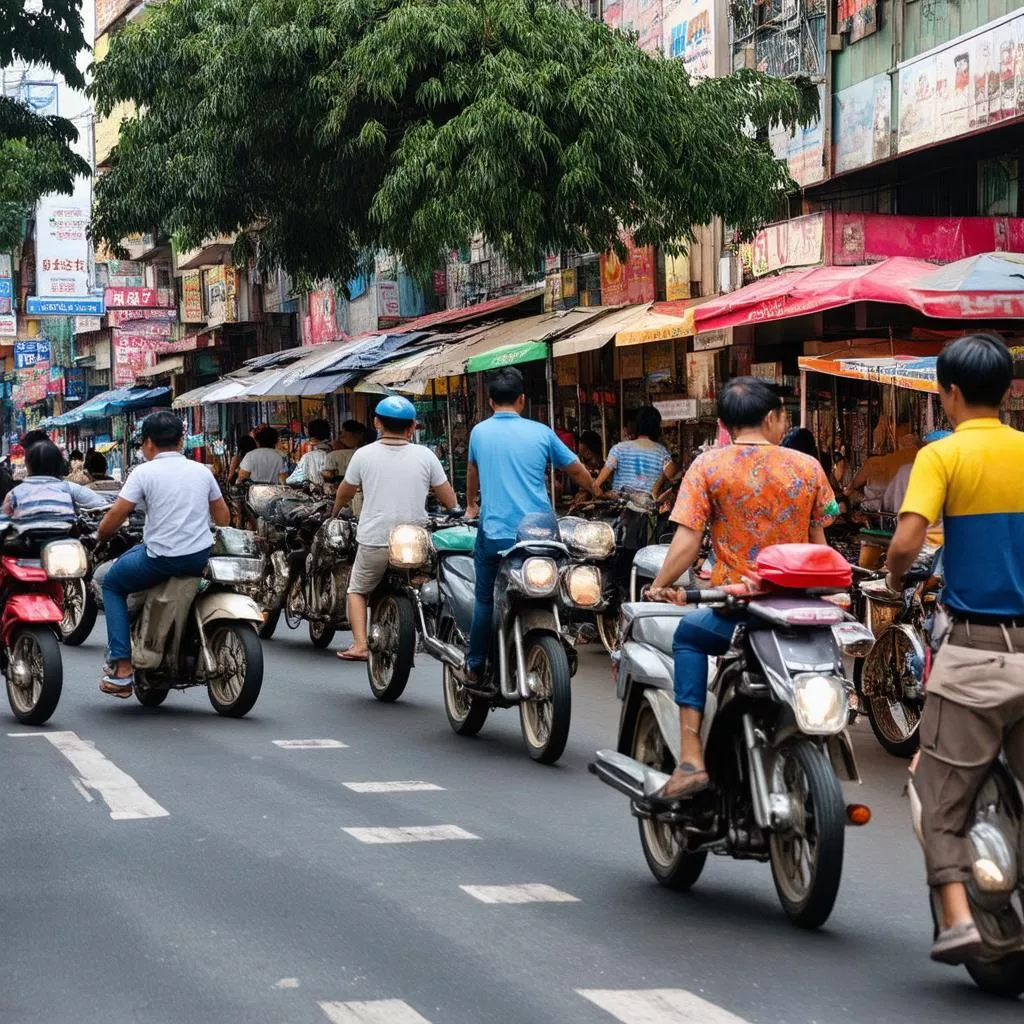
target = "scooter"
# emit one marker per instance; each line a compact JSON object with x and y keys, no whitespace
{"x":38,"y":559}
{"x":774,"y":732}
{"x":192,"y":631}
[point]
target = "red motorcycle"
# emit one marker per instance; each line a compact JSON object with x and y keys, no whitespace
{"x":35,"y":561}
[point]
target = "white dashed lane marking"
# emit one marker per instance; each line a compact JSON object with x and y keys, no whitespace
{"x":310,"y":744}
{"x":378,"y":1011}
{"x":532,"y":893}
{"x":127,"y":800}
{"x":392,"y":787}
{"x":658,"y":1006}
{"x":410,"y":834}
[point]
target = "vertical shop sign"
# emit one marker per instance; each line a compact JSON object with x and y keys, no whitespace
{"x":700,"y":375}
{"x":221,"y":286}
{"x":132,"y":354}
{"x":677,"y":276}
{"x":62,"y":246}
{"x":74,"y":384}
{"x":192,"y":296}
{"x":389,"y":306}
{"x":320,"y":325}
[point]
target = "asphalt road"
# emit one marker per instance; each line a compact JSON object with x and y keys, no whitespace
{"x":240,"y":897}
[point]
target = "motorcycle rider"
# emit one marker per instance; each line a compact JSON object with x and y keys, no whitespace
{"x":753,"y":494}
{"x":310,"y":467}
{"x":975,"y":699}
{"x":505,"y":481}
{"x":396,"y":476}
{"x":43,"y":494}
{"x":179,"y":497}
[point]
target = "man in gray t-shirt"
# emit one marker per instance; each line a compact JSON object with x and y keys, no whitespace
{"x":396,"y":476}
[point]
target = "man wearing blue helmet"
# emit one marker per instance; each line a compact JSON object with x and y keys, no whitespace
{"x":396,"y":476}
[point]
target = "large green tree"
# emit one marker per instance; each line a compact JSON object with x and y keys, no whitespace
{"x":35,"y":152}
{"x":325,"y":129}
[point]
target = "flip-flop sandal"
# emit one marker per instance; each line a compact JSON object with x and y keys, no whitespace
{"x":347,"y":655}
{"x":662,"y":797}
{"x":116,"y":687}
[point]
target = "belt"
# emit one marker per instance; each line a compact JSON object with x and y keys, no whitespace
{"x":1006,"y":637}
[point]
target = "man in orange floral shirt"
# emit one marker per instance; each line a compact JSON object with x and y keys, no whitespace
{"x":752,"y":494}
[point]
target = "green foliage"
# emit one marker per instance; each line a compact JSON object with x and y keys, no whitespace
{"x":35,"y":153}
{"x":329,"y":128}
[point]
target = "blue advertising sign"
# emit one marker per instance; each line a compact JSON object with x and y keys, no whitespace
{"x":6,"y":288}
{"x":28,"y":354}
{"x":41,"y":306}
{"x":74,"y":385}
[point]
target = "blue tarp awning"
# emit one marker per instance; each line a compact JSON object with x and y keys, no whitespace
{"x":112,"y":403}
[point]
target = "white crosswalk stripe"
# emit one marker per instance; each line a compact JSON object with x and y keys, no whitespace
{"x":377,"y":1011}
{"x":392,"y":787}
{"x":658,"y":1006}
{"x":127,"y":800}
{"x":531,"y":893}
{"x":309,"y":744}
{"x":409,"y":834}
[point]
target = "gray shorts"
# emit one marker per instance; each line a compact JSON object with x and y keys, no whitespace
{"x":368,"y":569}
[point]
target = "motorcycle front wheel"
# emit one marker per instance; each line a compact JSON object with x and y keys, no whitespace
{"x":466,"y":713}
{"x":807,"y":858}
{"x":238,"y":654}
{"x":392,"y":646}
{"x":80,"y":611}
{"x":320,"y":634}
{"x":608,"y":629}
{"x":670,"y":864}
{"x":545,"y":717}
{"x":35,"y":675}
{"x":1004,"y":978}
{"x":894,"y":721}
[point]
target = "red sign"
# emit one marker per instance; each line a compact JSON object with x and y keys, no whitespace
{"x":321,"y":326}
{"x":629,"y":282}
{"x":138,"y":298}
{"x":119,"y":317}
{"x":132,"y":354}
{"x":440,"y":282}
{"x":187,"y":344}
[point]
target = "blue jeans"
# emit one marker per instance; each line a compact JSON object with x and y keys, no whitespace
{"x":137,"y":570}
{"x":698,"y":635}
{"x":486,"y":559}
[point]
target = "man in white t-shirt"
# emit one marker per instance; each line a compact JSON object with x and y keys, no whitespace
{"x":311,"y":465}
{"x":396,"y":476}
{"x":179,"y":497}
{"x":265,"y":464}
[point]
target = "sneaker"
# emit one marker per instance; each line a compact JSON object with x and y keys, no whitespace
{"x":958,"y":944}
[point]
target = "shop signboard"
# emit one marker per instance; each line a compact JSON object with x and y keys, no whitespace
{"x":132,"y":354}
{"x":677,"y":409}
{"x":860,"y":120}
{"x":646,"y":21}
{"x":629,"y":282}
{"x":140,"y":298}
{"x":771,"y":372}
{"x":120,"y":317}
{"x":857,"y":17}
{"x":552,"y":291}
{"x":320,"y":325}
{"x":389,"y":306}
{"x":688,"y":34}
{"x":88,"y":324}
{"x":440,"y":283}
{"x":706,"y":341}
{"x":29,"y":354}
{"x":677,"y":276}
{"x":74,"y":385}
{"x":700,"y":375}
{"x":8,"y":325}
{"x":6,"y":294}
{"x":55,"y":381}
{"x":569,"y":287}
{"x":62,"y":244}
{"x":33,"y":384}
{"x":973,"y":82}
{"x":42,"y":306}
{"x":221,"y":289}
{"x":192,"y":296}
{"x":803,"y":149}
{"x":790,"y":243}
{"x":189,"y":343}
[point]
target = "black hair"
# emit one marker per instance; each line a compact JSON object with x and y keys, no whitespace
{"x":163,"y":428}
{"x":44,"y":459}
{"x":980,"y":365}
{"x":592,"y":439}
{"x":504,"y":386}
{"x":800,"y":439}
{"x":246,"y":444}
{"x":319,"y":430}
{"x":354,"y":427}
{"x":76,"y":454}
{"x":33,"y":437}
{"x":745,"y":402}
{"x":394,"y":426}
{"x":95,"y":463}
{"x":267,"y":438}
{"x":648,"y":423}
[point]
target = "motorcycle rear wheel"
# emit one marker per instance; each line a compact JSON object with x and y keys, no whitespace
{"x":670,"y":864}
{"x":1004,"y":978}
{"x":237,"y":650}
{"x":35,"y":675}
{"x":148,"y":696}
{"x":80,"y":611}
{"x":807,"y":862}
{"x":392,"y":646}
{"x":896,"y":724}
{"x":466,"y":713}
{"x":320,"y":634}
{"x":545,"y":719}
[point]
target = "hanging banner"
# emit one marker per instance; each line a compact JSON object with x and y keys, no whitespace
{"x":132,"y":354}
{"x":320,"y":324}
{"x":192,"y":296}
{"x":62,"y":245}
{"x":629,"y":282}
{"x":55,"y":381}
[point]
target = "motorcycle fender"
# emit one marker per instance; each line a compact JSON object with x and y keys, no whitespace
{"x":840,"y":752}
{"x":667,"y":715}
{"x":643,"y":664}
{"x":227,"y":605}
{"x":20,"y":609}
{"x":537,"y":620}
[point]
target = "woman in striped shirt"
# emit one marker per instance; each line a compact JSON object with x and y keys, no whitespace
{"x":637,"y":465}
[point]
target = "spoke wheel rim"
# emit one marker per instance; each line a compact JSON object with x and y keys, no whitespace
{"x":226,"y":685}
{"x":74,"y":606}
{"x":896,"y":719}
{"x":26,"y":673}
{"x":457,"y":699}
{"x":649,"y":749}
{"x":539,"y":711}
{"x":383,"y":642}
{"x":795,"y":853}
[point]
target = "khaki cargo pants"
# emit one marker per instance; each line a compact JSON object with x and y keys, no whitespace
{"x":975,"y":705}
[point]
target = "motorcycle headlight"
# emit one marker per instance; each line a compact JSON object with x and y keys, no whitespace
{"x":583,"y":585}
{"x":587,"y":539}
{"x":234,"y":569}
{"x":540,"y":576}
{"x":408,"y":547}
{"x":994,"y":865}
{"x":820,"y":704}
{"x":64,"y":559}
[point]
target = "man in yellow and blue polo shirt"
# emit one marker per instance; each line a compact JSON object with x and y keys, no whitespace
{"x":975,"y":702}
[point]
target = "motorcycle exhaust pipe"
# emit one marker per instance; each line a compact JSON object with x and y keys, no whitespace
{"x":448,"y":653}
{"x":627,"y":775}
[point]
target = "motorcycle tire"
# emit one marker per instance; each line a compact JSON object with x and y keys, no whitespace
{"x":148,"y":696}
{"x":37,"y":648}
{"x":466,"y":714}
{"x":320,"y":634}
{"x":1004,"y":978}
{"x":893,"y":739}
{"x":266,"y":631}
{"x":545,"y":723}
{"x":235,"y":696}
{"x":608,"y":630}
{"x":73,"y":634}
{"x":672,"y":866}
{"x":388,"y":670}
{"x":809,"y":904}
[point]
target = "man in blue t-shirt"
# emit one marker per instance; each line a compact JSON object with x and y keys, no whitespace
{"x":508,"y":462}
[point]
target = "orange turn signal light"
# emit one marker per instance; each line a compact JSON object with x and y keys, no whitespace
{"x":858,"y":814}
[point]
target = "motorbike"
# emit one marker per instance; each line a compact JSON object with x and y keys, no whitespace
{"x":37,"y":560}
{"x":191,"y":631}
{"x":995,"y":890}
{"x":593,"y":543}
{"x":774,"y":732}
{"x":532,"y":658}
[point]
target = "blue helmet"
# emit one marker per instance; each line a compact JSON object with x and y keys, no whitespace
{"x":395,"y":407}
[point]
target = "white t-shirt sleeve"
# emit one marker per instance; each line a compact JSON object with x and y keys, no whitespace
{"x":437,"y":473}
{"x":247,"y":461}
{"x":133,"y":489}
{"x":354,"y":473}
{"x":214,"y":487}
